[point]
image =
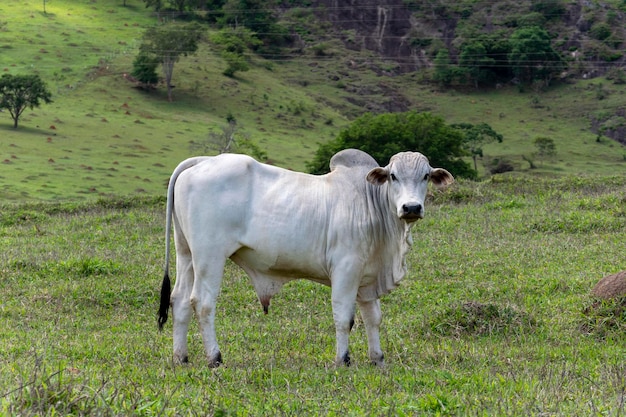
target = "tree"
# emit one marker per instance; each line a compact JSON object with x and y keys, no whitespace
{"x":168,"y":43}
{"x":256,"y":15}
{"x":443,"y":70}
{"x":144,"y":69}
{"x":532,"y":56}
{"x":157,"y":4}
{"x":233,"y":43}
{"x":545,"y":147}
{"x":384,"y":135}
{"x":230,"y":140}
{"x":551,"y":9}
{"x":476,"y":136}
{"x":17,"y":92}
{"x":446,"y":73}
{"x":474,"y":60}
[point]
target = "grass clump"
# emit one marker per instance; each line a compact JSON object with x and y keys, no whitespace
{"x":482,"y":319}
{"x":604,"y":318}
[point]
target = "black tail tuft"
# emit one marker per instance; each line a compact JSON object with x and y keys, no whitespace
{"x":165,"y":300}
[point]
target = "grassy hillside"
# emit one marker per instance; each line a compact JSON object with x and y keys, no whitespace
{"x":494,"y":317}
{"x":101,"y":136}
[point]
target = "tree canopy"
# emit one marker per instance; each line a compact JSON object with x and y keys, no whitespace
{"x":476,"y":136}
{"x":384,"y":135}
{"x":532,"y":56}
{"x":233,"y":43}
{"x":167,"y":43}
{"x":231,"y":140}
{"x":144,"y":69}
{"x":545,"y":147}
{"x":18,"y":92}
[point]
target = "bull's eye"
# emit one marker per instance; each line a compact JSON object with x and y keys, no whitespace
{"x":393,"y":177}
{"x":426,"y":177}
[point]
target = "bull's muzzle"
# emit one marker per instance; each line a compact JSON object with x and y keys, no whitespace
{"x":412,"y":212}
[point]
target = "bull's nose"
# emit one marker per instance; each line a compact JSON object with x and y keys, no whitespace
{"x":412,"y":211}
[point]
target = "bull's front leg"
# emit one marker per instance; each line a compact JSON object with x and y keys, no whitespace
{"x":372,"y":317}
{"x":343,"y":296}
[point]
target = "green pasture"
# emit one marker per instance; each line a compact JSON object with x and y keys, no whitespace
{"x":493,"y":319}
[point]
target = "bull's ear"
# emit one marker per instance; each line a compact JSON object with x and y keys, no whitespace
{"x":440,"y":177}
{"x":378,"y":176}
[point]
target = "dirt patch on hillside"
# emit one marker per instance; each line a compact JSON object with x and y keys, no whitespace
{"x":613,"y":127}
{"x":380,"y":98}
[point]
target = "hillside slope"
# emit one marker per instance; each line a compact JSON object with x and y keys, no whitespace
{"x":103,"y":136}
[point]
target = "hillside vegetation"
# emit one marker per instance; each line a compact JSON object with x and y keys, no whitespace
{"x":102,"y":136}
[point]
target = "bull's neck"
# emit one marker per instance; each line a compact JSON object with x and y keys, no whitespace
{"x":385,"y":214}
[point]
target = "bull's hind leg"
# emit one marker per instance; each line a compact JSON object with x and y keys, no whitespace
{"x":206,"y":288}
{"x":181,"y":306}
{"x":372,"y":317}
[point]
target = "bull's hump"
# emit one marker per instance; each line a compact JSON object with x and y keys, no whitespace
{"x":351,"y":158}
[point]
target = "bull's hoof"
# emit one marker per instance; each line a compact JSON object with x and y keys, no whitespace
{"x":216,"y":360}
{"x":178,"y":360}
{"x":378,"y":362}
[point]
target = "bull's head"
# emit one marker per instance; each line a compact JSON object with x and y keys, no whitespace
{"x":407,"y":176}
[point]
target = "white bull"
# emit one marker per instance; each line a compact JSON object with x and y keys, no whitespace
{"x":349,"y":229}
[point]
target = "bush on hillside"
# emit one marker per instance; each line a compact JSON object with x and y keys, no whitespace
{"x":384,"y":135}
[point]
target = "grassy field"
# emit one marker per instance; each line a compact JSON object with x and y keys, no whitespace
{"x":494,"y":318}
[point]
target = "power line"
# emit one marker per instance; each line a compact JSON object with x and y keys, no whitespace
{"x":89,"y":50}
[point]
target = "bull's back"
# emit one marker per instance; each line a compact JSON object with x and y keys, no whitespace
{"x":287,"y":225}
{"x":269,"y":220}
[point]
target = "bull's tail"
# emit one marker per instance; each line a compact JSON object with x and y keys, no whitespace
{"x":166,"y":286}
{"x":164,"y":306}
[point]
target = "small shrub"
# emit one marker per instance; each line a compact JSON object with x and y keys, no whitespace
{"x":321,"y":49}
{"x":500,"y":166}
{"x":531,"y":19}
{"x":601,"y":31}
{"x":454,"y":194}
{"x":616,"y":75}
{"x":601,"y":92}
{"x":297,"y":107}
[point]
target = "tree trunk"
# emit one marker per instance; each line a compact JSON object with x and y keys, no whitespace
{"x":168,"y":70}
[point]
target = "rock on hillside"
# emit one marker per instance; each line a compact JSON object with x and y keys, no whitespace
{"x":611,"y":286}
{"x":410,"y":32}
{"x":383,"y":27}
